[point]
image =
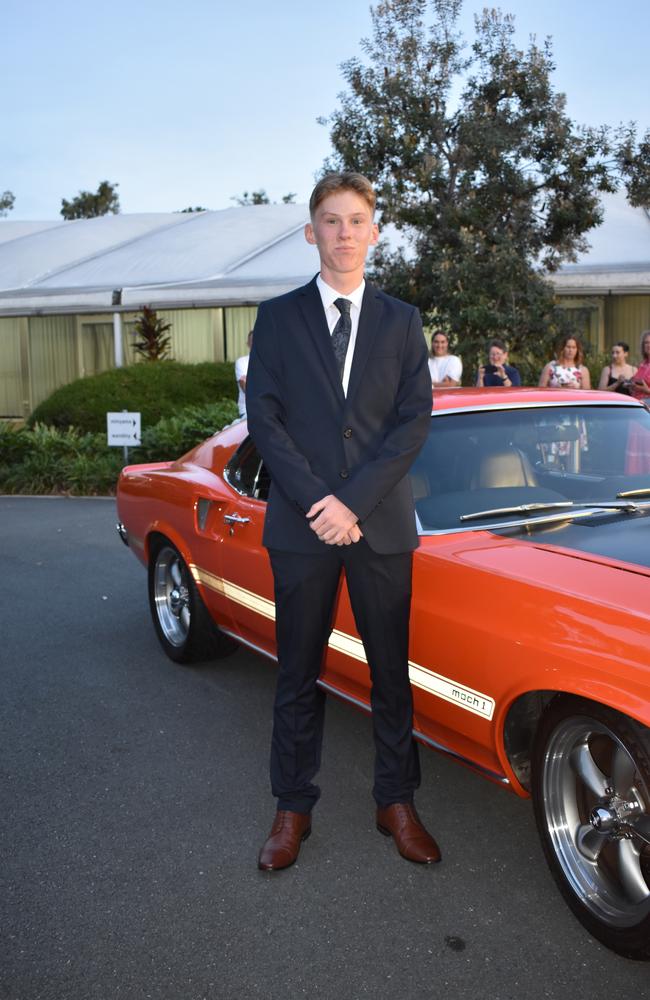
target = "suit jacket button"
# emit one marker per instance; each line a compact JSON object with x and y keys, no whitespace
{"x":347,"y":433}
{"x":344,"y":473}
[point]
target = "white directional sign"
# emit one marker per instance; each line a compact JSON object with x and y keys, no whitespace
{"x":123,"y":428}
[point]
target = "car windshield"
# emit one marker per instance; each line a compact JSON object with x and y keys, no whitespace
{"x":484,"y":462}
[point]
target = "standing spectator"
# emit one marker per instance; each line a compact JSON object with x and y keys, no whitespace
{"x":498,"y":372}
{"x":616,"y":376}
{"x":641,"y":378}
{"x":567,"y":371}
{"x":446,"y":369}
{"x":241,"y":372}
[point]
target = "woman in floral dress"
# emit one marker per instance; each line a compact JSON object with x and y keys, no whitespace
{"x":567,"y":371}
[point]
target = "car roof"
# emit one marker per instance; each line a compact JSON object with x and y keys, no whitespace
{"x":498,"y":398}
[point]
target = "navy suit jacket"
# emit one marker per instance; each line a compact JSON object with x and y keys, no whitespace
{"x":315,"y":441}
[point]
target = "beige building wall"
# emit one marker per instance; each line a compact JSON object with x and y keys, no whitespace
{"x":12,"y":392}
{"x":53,"y":354}
{"x":626,"y":317}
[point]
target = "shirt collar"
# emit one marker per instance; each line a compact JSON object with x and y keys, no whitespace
{"x":329,"y":294}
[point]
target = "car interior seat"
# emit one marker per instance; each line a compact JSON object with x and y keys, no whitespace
{"x":507,"y":467}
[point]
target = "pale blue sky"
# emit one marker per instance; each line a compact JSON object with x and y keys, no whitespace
{"x":192,"y":102}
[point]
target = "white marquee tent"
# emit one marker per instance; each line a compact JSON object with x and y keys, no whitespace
{"x":234,"y":256}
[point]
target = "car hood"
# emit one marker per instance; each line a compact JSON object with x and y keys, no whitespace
{"x":605,"y":564}
{"x":621,"y":537}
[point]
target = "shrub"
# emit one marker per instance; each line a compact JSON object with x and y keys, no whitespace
{"x":14,"y":444}
{"x":529,"y":370}
{"x":155,"y":390}
{"x":171,"y":437}
{"x":49,"y":460}
{"x":595,"y":363}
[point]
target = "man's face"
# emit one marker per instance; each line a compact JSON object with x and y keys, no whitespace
{"x":342,"y":229}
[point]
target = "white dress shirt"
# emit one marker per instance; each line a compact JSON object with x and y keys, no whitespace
{"x":332,"y":315}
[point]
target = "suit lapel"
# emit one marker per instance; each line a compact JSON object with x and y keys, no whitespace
{"x":369,"y":320}
{"x":311,"y":305}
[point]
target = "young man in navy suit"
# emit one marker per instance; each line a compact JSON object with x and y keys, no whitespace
{"x":339,"y":404}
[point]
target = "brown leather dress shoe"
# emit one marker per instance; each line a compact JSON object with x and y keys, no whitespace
{"x":401,"y":822}
{"x":283,"y":843}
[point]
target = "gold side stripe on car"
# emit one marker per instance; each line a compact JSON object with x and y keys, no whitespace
{"x":247,"y":598}
{"x":350,"y":645}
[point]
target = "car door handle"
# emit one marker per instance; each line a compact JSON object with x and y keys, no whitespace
{"x":235,"y":519}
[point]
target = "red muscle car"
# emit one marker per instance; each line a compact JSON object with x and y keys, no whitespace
{"x":530,"y":628}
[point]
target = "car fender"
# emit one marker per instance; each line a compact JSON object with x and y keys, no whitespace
{"x":162,"y":527}
{"x":519,"y":713}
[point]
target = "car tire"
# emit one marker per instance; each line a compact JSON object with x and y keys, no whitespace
{"x":591,"y":795}
{"x":182,"y":622}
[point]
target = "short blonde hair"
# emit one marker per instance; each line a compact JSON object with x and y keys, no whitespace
{"x":348,"y":180}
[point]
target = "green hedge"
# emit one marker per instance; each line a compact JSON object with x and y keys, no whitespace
{"x":51,"y":460}
{"x":171,"y":437}
{"x":155,"y":390}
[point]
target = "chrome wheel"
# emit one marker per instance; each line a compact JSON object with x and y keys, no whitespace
{"x":591,"y":790}
{"x":171,"y":594}
{"x":183,"y":624}
{"x":596,"y":813}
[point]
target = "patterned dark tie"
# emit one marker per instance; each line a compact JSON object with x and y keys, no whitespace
{"x":341,"y":333}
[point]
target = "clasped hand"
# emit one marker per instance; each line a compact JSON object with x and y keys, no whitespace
{"x":333,"y":522}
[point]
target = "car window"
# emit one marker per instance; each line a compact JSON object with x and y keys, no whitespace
{"x":480,"y":460}
{"x":247,"y":473}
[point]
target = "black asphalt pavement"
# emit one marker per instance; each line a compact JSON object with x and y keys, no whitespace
{"x":134,"y":798}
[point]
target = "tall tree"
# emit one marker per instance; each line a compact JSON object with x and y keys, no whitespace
{"x":7,"y":200}
{"x":89,"y":205}
{"x":477,"y":163}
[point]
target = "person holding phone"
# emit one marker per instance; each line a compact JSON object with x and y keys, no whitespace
{"x":617,"y":376}
{"x":498,"y":372}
